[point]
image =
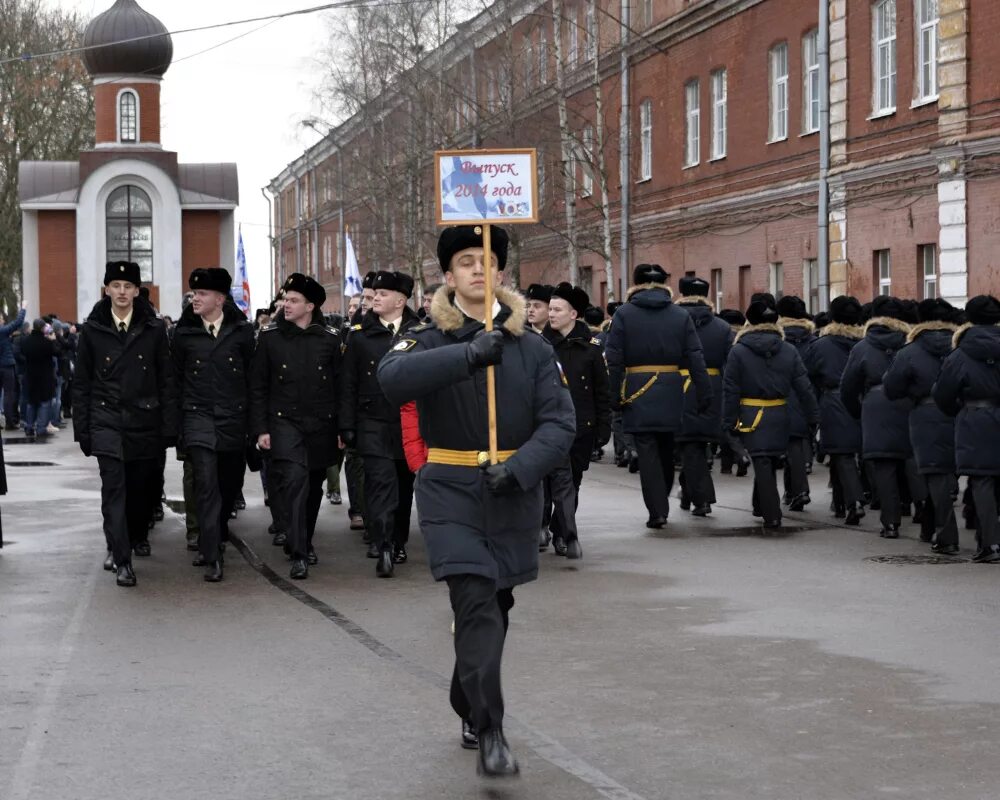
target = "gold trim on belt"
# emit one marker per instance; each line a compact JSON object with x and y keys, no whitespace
{"x":465,"y":458}
{"x":649,"y":369}
{"x":760,"y":405}
{"x":686,"y":373}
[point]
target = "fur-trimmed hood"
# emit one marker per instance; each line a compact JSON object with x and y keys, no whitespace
{"x":448,"y":318}
{"x":641,"y":287}
{"x":925,"y":327}
{"x":767,"y":327}
{"x":692,"y":300}
{"x":789,"y":322}
{"x":891,"y":323}
{"x":765,"y":340}
{"x":855,"y":332}
{"x":988,"y":332}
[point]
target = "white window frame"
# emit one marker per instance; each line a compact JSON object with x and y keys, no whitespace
{"x":647,"y":13}
{"x":118,"y":117}
{"x":719,"y":91}
{"x":590,"y":32}
{"x":883,"y":261}
{"x":529,"y":63}
{"x":778,"y":72}
{"x":328,"y":253}
{"x":810,"y":266}
{"x":776,"y":279}
{"x":926,"y":15}
{"x":540,"y":167}
{"x":573,"y":54}
{"x":717,"y":292}
{"x":692,"y":123}
{"x":587,"y":140}
{"x":810,"y":82}
{"x":928,"y":258}
{"x":646,"y":140}
{"x":884,"y":57}
{"x":543,"y":57}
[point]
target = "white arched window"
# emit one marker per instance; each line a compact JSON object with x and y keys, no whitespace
{"x":129,"y":216}
{"x":128,"y":117}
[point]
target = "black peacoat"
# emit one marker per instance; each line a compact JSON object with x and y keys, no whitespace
{"x":716,"y":338}
{"x":40,"y":354}
{"x":840,"y":433}
{"x":885,"y":426}
{"x":213,"y":377}
{"x":800,"y":334}
{"x":579,"y":354}
{"x":124,"y":392}
{"x":912,"y":375}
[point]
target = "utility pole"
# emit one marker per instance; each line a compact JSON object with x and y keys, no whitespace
{"x":823,"y":51}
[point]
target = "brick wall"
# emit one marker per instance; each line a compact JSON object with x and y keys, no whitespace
{"x":200,"y":241}
{"x":57,"y":264}
{"x":106,"y":111}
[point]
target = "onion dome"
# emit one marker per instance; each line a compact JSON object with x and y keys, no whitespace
{"x":109,"y":51}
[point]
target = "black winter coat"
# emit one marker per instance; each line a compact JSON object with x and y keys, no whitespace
{"x":124,"y":392}
{"x":885,"y":424}
{"x":716,"y":338}
{"x":968,"y":388}
{"x":582,"y":360}
{"x":364,"y":407}
{"x":213,"y":377}
{"x":762,"y":366}
{"x":293,"y":391}
{"x":840,"y":433}
{"x":912,"y":375}
{"x":40,"y":354}
{"x":649,"y":330}
{"x":800,"y":334}
{"x":468,"y":530}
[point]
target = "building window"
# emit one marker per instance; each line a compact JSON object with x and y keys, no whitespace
{"x":327,"y":254}
{"x":883,"y":272}
{"x":128,"y":117}
{"x":884,"y":56}
{"x":776,"y":272}
{"x":129,"y":228}
{"x":717,"y":288}
{"x":574,"y":40}
{"x":927,"y":34}
{"x":591,"y":33}
{"x":543,"y":57}
{"x":779,"y":92}
{"x":540,"y":166}
{"x":529,"y":64}
{"x":588,"y":162}
{"x":745,"y":276}
{"x":692,"y":124}
{"x":328,"y":186}
{"x":927,"y":258}
{"x":647,"y":13}
{"x":646,"y":140}
{"x":810,"y":82}
{"x":810,"y":284}
{"x":719,"y":114}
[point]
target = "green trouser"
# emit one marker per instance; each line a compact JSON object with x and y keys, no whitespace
{"x":190,"y":513}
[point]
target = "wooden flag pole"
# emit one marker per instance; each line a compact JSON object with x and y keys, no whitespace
{"x":491,"y":378}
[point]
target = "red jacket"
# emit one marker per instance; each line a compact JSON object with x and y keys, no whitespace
{"x":413,"y":445}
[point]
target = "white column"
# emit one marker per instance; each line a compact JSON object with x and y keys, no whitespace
{"x":953,"y":242}
{"x":30,"y":288}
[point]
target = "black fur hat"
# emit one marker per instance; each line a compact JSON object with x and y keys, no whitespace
{"x":394,"y":281}
{"x":575,"y":296}
{"x":307,"y":287}
{"x":461,"y":237}
{"x":215,"y":279}
{"x":122,"y":271}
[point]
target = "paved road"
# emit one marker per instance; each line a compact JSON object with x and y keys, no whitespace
{"x":699,"y":662}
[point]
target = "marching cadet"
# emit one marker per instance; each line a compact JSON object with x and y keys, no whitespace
{"x":762,"y":372}
{"x":968,"y":389}
{"x":538,"y":296}
{"x":885,"y":429}
{"x":354,"y":465}
{"x":699,"y":431}
{"x":582,"y":361}
{"x":650,"y":341}
{"x":124,"y":410}
{"x":912,"y":375}
{"x":799,"y":332}
{"x":293,"y":409}
{"x":480,"y":521}
{"x":212,"y":348}
{"x":840,"y":433}
{"x":370,"y":424}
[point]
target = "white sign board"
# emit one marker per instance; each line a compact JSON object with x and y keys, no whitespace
{"x":486,"y":186}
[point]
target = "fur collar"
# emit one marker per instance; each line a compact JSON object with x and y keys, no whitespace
{"x":960,"y":332}
{"x":766,"y":327}
{"x":693,"y":300}
{"x":641,"y":287}
{"x":924,"y":327}
{"x":788,"y":322}
{"x":448,"y":318}
{"x":840,"y":329}
{"x":887,"y":322}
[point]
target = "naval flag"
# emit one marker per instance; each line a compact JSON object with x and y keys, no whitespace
{"x":240,"y":290}
{"x":352,"y":275}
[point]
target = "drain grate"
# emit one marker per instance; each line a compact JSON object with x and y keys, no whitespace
{"x":30,"y":464}
{"x":916,"y":559}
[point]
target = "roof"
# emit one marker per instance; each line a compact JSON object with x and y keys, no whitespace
{"x":209,"y":184}
{"x":48,"y":181}
{"x":127,"y":40}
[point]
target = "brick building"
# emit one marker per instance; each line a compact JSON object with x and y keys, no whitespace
{"x":722,"y":122}
{"x":128,"y":198}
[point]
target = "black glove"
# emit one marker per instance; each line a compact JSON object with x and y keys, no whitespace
{"x":348,"y":437}
{"x":485,"y":350}
{"x":499,"y":479}
{"x":86,"y":447}
{"x":603,"y":437}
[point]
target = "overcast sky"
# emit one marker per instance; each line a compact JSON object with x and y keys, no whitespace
{"x":241,"y":102}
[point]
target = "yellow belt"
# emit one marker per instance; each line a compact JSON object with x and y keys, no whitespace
{"x":649,"y":369}
{"x":687,"y":374}
{"x":465,"y":458}
{"x":760,"y":405}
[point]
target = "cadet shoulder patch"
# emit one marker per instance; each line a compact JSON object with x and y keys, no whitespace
{"x":596,"y":341}
{"x":356,"y":327}
{"x":423,"y":326}
{"x":403,"y":345}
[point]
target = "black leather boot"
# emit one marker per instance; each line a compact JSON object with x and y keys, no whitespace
{"x":214,"y":572}
{"x":495,"y":758}
{"x":384,"y":568}
{"x":126,"y":576}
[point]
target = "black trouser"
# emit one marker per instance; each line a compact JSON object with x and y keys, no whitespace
{"x":354,"y":465}
{"x":190,"y":504}
{"x":696,"y":479}
{"x":656,"y":470}
{"x":127,"y":497}
{"x":914,"y":481}
{"x":277,"y":501}
{"x":886,"y":475}
{"x":388,"y":500}
{"x":217,"y":479}
{"x":945,"y":525}
{"x":984,"y":494}
{"x":8,"y":381}
{"x":301,"y":495}
{"x":765,"y":488}
{"x":481,"y":620}
{"x":161,"y":478}
{"x":562,"y":489}
{"x":845,"y":467}
{"x":797,"y":456}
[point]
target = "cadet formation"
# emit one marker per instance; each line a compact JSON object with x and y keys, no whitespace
{"x":898,"y":397}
